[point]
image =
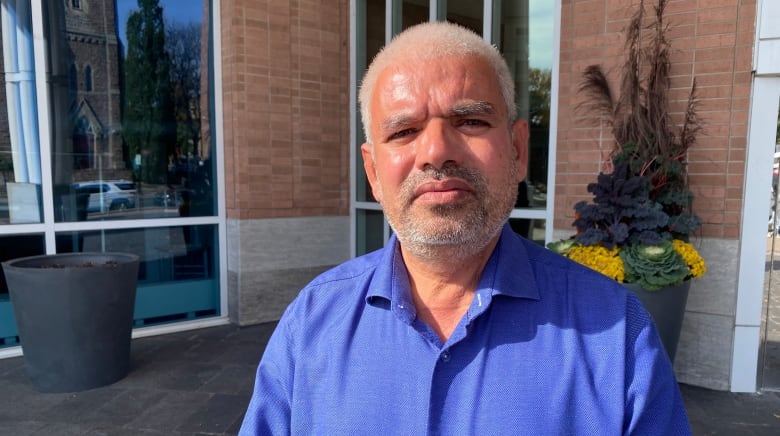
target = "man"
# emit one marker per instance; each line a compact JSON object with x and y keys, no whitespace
{"x":458,"y":326}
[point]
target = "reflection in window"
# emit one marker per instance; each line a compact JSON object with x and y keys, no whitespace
{"x":109,"y":162}
{"x":414,"y":12}
{"x":73,"y":78}
{"x":12,"y":247}
{"x":467,"y":13}
{"x":20,"y":190}
{"x":177,"y":276}
{"x":374,"y":39}
{"x":533,"y":82}
{"x":371,"y":226}
{"x":88,"y":78}
{"x":137,"y":118}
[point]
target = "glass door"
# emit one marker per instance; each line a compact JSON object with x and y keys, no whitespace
{"x":770,"y":317}
{"x":756,"y":353}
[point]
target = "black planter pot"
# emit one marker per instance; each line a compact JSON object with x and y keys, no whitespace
{"x":667,"y":307}
{"x":74,"y":313}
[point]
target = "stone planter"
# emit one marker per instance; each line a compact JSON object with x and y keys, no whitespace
{"x":74,"y":314}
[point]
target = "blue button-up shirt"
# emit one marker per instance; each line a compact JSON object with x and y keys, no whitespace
{"x":547,"y":347}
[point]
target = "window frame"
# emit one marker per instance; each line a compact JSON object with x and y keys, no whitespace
{"x":50,"y":228}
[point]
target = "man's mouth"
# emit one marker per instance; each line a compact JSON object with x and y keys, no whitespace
{"x":442,"y":191}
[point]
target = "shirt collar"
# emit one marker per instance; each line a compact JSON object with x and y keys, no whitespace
{"x":508,"y":272}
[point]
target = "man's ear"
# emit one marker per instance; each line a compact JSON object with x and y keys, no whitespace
{"x":520,"y":136}
{"x":370,"y":168}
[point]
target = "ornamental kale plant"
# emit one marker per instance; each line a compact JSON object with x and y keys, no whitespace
{"x":626,"y":235}
{"x":653,"y":266}
{"x":621,"y":212}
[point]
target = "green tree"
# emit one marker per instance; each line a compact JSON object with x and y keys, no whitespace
{"x":149,"y":125}
{"x":183,"y":46}
{"x":539,"y":87}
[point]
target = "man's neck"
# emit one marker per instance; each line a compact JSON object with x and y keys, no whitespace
{"x":443,"y":286}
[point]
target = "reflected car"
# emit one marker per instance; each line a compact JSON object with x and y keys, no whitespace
{"x":108,"y":194}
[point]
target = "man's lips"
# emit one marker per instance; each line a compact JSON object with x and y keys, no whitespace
{"x":442,"y":190}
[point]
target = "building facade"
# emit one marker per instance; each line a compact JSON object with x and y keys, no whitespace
{"x":282,"y":196}
{"x":716,"y":43}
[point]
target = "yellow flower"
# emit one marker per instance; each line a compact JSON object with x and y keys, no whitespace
{"x":599,"y":258}
{"x":691,"y":256}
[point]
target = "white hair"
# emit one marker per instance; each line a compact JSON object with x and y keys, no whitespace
{"x":432,"y":40}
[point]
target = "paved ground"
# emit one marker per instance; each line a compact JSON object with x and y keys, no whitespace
{"x":199,"y":383}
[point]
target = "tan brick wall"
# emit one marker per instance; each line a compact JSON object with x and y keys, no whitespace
{"x":285,"y":95}
{"x":712,"y":40}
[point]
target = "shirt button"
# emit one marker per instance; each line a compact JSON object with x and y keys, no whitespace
{"x":445,"y":356}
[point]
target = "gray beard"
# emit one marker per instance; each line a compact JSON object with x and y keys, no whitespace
{"x":463,"y":230}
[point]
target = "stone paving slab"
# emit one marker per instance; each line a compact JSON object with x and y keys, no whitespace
{"x":200,"y":382}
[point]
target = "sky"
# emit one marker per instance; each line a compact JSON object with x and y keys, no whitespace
{"x":180,"y":11}
{"x":541,"y":30}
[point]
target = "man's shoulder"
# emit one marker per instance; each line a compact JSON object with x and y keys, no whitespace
{"x":560,"y":278}
{"x":330,"y":298}
{"x":351,"y":270}
{"x":551,"y":266}
{"x":343,"y":285}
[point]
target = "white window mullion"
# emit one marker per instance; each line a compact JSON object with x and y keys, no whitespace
{"x":393,"y":18}
{"x":490,"y":20}
{"x":437,"y":10}
{"x":44,"y":122}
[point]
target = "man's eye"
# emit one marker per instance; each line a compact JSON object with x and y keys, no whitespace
{"x":400,"y":134}
{"x":474,"y":123}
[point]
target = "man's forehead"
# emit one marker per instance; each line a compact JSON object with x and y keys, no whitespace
{"x":456,"y":78}
{"x":451,"y":67}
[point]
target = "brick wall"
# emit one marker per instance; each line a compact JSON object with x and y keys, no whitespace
{"x":286,"y":91}
{"x":712,"y":40}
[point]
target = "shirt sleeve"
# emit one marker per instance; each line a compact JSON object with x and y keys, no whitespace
{"x":268,"y":412}
{"x":654,"y":405}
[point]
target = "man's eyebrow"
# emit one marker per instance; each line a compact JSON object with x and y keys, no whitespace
{"x":474,"y":108}
{"x":393,"y":122}
{"x":401,"y":120}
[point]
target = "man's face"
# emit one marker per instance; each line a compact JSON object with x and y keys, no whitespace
{"x":445,"y":162}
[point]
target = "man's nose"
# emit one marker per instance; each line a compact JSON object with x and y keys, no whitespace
{"x":438,"y":144}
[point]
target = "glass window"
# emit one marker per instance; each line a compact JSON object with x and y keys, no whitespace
{"x":371,"y":226}
{"x":373,"y":40}
{"x":20,"y":167}
{"x":177,"y":276}
{"x":527,"y":45}
{"x":414,"y":12}
{"x":87,"y":78}
{"x":372,"y":36}
{"x":11,"y":247}
{"x":127,"y":139}
{"x":136,"y":125}
{"x":73,"y":77}
{"x":467,"y":13}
